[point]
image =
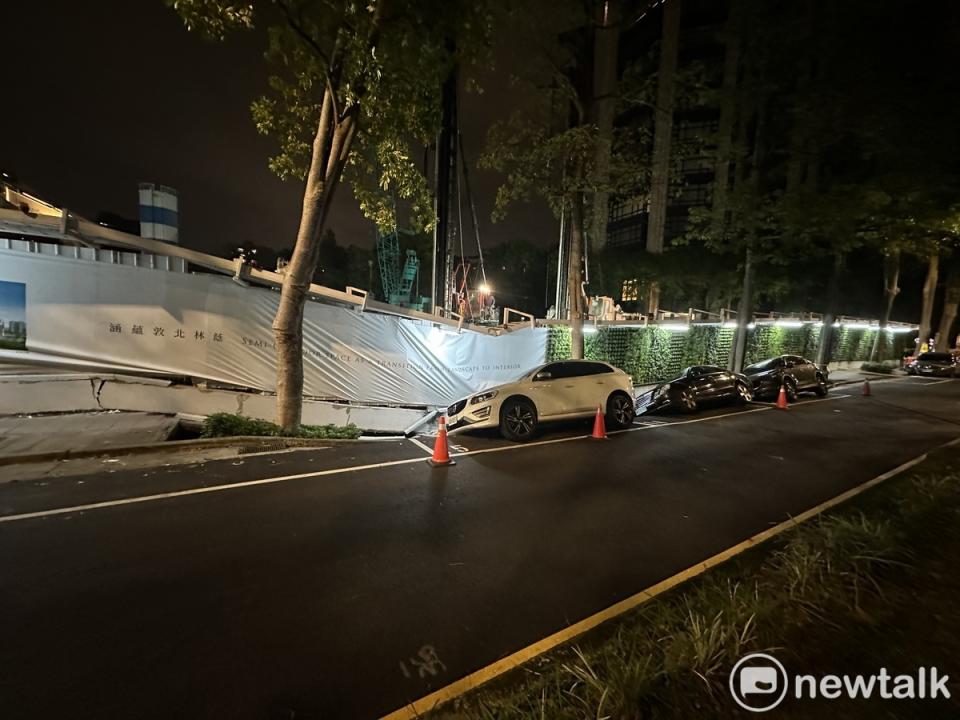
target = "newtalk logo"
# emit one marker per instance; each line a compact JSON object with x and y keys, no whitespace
{"x":759,"y":683}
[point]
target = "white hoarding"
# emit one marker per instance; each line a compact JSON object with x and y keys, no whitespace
{"x":207,"y":326}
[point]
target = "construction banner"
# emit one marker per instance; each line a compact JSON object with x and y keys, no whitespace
{"x":101,"y":315}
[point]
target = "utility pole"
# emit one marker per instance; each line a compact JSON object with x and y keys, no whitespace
{"x":445,"y":177}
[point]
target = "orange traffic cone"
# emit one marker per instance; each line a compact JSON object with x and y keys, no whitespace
{"x":866,"y":388}
{"x":441,"y":452}
{"x":782,"y":399}
{"x":599,"y":426}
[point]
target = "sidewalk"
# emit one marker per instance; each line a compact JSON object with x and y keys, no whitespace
{"x":30,"y":434}
{"x":847,"y":377}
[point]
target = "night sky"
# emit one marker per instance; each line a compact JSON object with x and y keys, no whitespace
{"x":100,"y":96}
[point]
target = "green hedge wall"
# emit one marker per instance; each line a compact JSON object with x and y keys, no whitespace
{"x":651,"y":354}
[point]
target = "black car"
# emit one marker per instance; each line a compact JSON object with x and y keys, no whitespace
{"x":697,"y":385}
{"x":933,"y":364}
{"x":794,"y":373}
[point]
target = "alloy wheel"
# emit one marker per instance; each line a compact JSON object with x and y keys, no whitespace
{"x":519,"y":421}
{"x":622,"y":410}
{"x":791,"y":389}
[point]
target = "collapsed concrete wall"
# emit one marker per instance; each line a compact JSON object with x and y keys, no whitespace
{"x":32,"y":394}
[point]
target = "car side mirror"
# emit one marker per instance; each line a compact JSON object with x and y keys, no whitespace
{"x":542,"y":375}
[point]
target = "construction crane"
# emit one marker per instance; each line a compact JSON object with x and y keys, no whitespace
{"x":450,"y":287}
{"x":398,"y":282}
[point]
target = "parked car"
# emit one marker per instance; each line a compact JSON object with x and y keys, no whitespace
{"x":794,"y":373}
{"x":697,"y":385}
{"x":555,"y":391}
{"x":934,"y":364}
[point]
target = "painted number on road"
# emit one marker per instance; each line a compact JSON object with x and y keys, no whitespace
{"x":426,"y":663}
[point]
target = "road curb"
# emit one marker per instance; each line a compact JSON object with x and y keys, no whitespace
{"x":260,"y":443}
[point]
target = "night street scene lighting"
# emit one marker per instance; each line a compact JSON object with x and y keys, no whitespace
{"x":480,"y":360}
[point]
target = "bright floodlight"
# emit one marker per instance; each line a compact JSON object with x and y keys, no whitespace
{"x":485,"y":289}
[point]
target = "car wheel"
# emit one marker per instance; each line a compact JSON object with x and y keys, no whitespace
{"x":518,"y":419}
{"x":620,"y":411}
{"x":790,"y":386}
{"x":821,"y":389}
{"x":688,"y":401}
{"x":744,"y":395}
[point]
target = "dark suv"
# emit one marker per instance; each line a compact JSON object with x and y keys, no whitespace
{"x":795,"y":373}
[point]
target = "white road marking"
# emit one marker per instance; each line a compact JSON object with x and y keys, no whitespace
{"x":417,"y":708}
{"x":358,"y":468}
{"x":936,"y":382}
{"x":201,"y":490}
{"x":421,"y":445}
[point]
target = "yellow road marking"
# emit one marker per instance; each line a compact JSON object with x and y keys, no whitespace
{"x":429,"y":702}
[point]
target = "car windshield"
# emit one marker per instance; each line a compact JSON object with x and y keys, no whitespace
{"x":935,"y":357}
{"x":761,"y":366}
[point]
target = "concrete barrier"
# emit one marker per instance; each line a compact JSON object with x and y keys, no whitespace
{"x":32,"y":394}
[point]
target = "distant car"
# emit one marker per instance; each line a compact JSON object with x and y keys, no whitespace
{"x":934,"y":364}
{"x":697,"y":386}
{"x":555,"y":391}
{"x":794,"y":373}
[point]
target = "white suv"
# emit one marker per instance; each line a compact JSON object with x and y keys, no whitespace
{"x":555,"y":391}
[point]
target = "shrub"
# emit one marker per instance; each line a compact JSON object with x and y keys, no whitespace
{"x":875,"y":367}
{"x":231,"y":425}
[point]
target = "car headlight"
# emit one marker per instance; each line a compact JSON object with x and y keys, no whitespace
{"x":662,"y":390}
{"x":483,"y":397}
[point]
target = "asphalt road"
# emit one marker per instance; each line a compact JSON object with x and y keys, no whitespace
{"x":287,"y":587}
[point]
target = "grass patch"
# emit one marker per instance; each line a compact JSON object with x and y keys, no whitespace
{"x":876,"y":367}
{"x":232,"y":425}
{"x":832,"y":591}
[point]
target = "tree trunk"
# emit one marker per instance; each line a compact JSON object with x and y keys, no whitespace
{"x":891,"y":288}
{"x":653,"y":300}
{"x":331,"y":146}
{"x":738,"y":350}
{"x":662,"y":134}
{"x":575,"y":276}
{"x":833,"y":299}
{"x":336,"y":129}
{"x":929,"y":293}
{"x":951,"y":301}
